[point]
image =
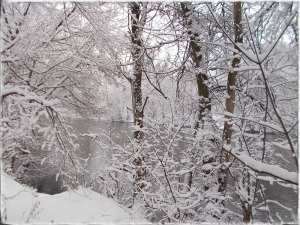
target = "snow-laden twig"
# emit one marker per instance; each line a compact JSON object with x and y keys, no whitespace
{"x":12,"y":43}
{"x":251,"y":57}
{"x":275,"y":171}
{"x":267,"y":124}
{"x":258,"y":59}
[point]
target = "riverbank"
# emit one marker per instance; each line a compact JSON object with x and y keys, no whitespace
{"x":21,"y":204}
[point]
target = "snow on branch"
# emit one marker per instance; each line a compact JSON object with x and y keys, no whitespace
{"x":288,"y":21}
{"x":9,"y":59}
{"x":266,"y":124}
{"x":12,"y":43}
{"x":275,"y":171}
{"x":259,"y":58}
{"x":27,"y":96}
{"x":243,"y":68}
{"x":55,"y":86}
{"x":12,"y":90}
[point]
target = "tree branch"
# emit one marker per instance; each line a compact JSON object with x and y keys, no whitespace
{"x":274,"y":171}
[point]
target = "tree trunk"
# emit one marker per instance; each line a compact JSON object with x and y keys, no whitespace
{"x":227,"y":132}
{"x":201,"y":77}
{"x":136,"y":87}
{"x":204,"y":107}
{"x":247,"y":211}
{"x":136,"y":79}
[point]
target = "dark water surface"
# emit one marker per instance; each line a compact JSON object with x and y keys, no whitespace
{"x":288,"y":197}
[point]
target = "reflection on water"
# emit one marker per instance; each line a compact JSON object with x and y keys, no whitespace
{"x":288,"y":197}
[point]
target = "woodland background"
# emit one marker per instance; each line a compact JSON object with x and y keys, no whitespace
{"x":218,"y":77}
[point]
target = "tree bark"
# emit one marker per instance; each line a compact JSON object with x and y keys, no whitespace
{"x":196,"y":55}
{"x":204,"y":101}
{"x":136,"y":78}
{"x":137,"y":19}
{"x":227,"y":132}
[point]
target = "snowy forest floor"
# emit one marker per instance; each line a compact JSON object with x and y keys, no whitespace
{"x":21,"y":204}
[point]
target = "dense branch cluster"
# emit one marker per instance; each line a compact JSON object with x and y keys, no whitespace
{"x":205,"y":84}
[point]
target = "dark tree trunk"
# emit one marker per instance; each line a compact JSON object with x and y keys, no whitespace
{"x":195,"y":51}
{"x":136,"y":88}
{"x":227,"y":132}
{"x":247,"y":211}
{"x":136,"y":79}
{"x":204,"y":107}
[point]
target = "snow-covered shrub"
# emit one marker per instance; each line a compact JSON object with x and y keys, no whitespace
{"x":168,"y":153}
{"x":34,"y":129}
{"x":34,"y":136}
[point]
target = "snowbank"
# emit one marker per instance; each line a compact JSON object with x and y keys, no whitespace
{"x":21,"y":204}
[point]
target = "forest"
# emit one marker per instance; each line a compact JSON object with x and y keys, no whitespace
{"x":209,"y":90}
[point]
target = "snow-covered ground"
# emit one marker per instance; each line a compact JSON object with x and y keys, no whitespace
{"x":21,"y":204}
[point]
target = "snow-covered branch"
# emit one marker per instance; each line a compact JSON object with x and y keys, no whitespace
{"x":275,"y":171}
{"x":12,"y":43}
{"x":267,"y":124}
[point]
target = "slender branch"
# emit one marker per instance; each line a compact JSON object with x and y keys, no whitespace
{"x":265,"y":119}
{"x":259,"y":62}
{"x":145,"y":104}
{"x":242,"y":50}
{"x":279,"y":118}
{"x":154,"y":85}
{"x":259,"y":167}
{"x":69,"y":14}
{"x":293,"y":127}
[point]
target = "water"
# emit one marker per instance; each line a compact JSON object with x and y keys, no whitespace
{"x":285,"y":196}
{"x":90,"y":148}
